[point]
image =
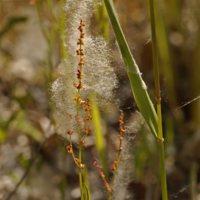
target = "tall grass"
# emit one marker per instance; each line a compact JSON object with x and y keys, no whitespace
{"x":138,"y":87}
{"x":158,"y":102}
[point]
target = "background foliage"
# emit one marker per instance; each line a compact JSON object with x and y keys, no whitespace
{"x":30,"y":53}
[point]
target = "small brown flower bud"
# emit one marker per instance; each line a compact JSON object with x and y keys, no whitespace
{"x":70,"y":132}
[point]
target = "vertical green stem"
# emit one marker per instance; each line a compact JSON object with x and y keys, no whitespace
{"x":112,"y":184}
{"x":80,"y":150}
{"x":80,"y":179}
{"x":48,"y":39}
{"x":106,"y":23}
{"x":79,"y":135}
{"x":62,"y":29}
{"x":193,"y":180}
{"x":158,"y":101}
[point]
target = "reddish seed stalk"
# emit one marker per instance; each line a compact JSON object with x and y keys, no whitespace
{"x":78,"y":98}
{"x":79,"y":101}
{"x":115,"y":165}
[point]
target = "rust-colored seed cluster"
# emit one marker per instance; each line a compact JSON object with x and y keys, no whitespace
{"x":115,"y":165}
{"x":70,"y":132}
{"x":69,"y":149}
{"x":121,"y":122}
{"x":81,"y":54}
{"x":78,"y":99}
{"x":81,"y":166}
{"x":95,"y":163}
{"x":87,"y":129}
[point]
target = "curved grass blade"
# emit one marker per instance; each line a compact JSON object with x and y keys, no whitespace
{"x":137,"y":84}
{"x":88,"y":192}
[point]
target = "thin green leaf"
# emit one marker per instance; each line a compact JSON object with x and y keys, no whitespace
{"x":62,"y":30}
{"x":99,"y":138}
{"x":100,"y":144}
{"x":137,"y":84}
{"x":164,"y":54}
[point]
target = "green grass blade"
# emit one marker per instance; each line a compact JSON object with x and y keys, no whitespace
{"x":137,"y":84}
{"x":99,"y":138}
{"x":62,"y":30}
{"x":164,"y":53}
{"x":102,"y":20}
{"x":97,"y":126}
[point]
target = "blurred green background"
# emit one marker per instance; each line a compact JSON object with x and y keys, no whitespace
{"x":30,"y":52}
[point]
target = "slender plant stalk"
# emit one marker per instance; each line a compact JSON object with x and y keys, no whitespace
{"x":165,"y":54}
{"x":80,"y":173}
{"x":158,"y":102}
{"x":62,"y":30}
{"x":27,"y":170}
{"x":32,"y":161}
{"x":113,"y":180}
{"x":87,"y":110}
{"x":105,"y":23}
{"x":193,"y":180}
{"x":119,"y":151}
{"x":115,"y":165}
{"x":48,"y":38}
{"x":79,"y":135}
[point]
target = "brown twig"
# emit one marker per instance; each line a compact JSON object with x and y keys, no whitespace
{"x":30,"y":165}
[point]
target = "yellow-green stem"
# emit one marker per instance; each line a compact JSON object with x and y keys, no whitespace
{"x":115,"y":172}
{"x":72,"y":150}
{"x":158,"y":102}
{"x":80,"y":148}
{"x":113,"y":180}
{"x":79,"y":135}
{"x":161,"y":153}
{"x":118,"y":156}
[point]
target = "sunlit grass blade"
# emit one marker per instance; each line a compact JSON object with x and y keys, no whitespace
{"x":99,"y":138}
{"x":138,"y":86}
{"x":102,"y":20}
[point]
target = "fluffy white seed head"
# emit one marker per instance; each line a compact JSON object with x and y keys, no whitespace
{"x":98,"y":75}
